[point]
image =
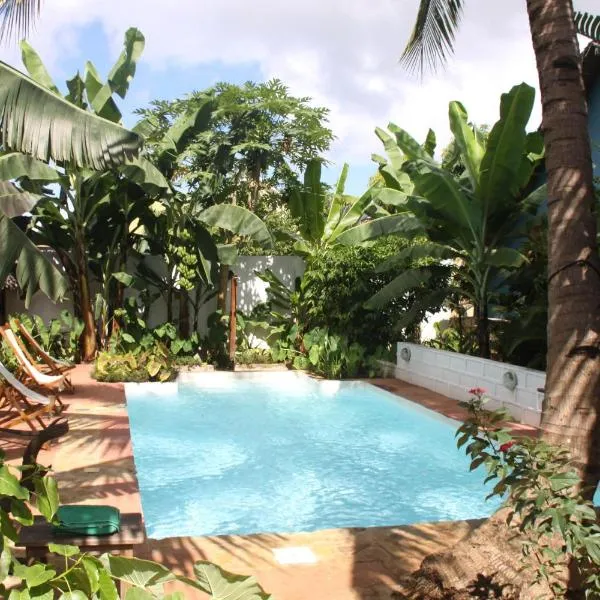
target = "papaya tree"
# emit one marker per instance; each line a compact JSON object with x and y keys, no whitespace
{"x":474,"y":220}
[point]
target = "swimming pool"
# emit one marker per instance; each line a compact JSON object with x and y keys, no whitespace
{"x":237,"y":453}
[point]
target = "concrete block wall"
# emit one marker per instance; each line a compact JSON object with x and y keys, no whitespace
{"x":453,"y":374}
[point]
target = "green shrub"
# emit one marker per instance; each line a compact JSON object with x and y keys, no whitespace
{"x":542,"y":491}
{"x":251,"y":356}
{"x":146,"y":365}
{"x":331,"y":355}
{"x":59,"y":337}
{"x":337,"y":283}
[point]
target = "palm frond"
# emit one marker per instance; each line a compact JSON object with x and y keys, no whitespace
{"x":588,"y":25}
{"x":17,"y":17}
{"x":38,"y":122}
{"x":432,"y":39}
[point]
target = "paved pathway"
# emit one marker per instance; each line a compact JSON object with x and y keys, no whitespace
{"x":94,"y":464}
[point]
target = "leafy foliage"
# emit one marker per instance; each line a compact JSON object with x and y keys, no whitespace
{"x":588,"y":25}
{"x":432,"y":38}
{"x":543,"y":495}
{"x":340,"y":280}
{"x":153,"y":364}
{"x":83,"y":575}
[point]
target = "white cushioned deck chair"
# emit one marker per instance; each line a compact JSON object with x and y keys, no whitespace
{"x":44,"y":362}
{"x":21,"y":404}
{"x":28,"y":374}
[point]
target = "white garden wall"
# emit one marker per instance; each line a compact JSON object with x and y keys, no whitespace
{"x":251,"y":290}
{"x":453,"y":374}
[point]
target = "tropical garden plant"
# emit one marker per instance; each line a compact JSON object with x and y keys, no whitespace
{"x":474,"y":219}
{"x":572,"y":392}
{"x":82,"y":575}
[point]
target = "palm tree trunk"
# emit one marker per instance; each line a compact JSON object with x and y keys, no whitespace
{"x":223,"y":286}
{"x":571,"y":411}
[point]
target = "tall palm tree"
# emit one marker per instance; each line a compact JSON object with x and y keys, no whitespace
{"x":571,"y":410}
{"x":571,"y":414}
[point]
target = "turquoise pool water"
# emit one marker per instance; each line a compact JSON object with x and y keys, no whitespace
{"x":225,"y":453}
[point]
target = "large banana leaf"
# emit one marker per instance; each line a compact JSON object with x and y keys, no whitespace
{"x":468,"y":144}
{"x":405,"y":282}
{"x":337,"y":203}
{"x":36,"y":121}
{"x":15,"y":165}
{"x":237,"y":220}
{"x":99,"y":95}
{"x":14,"y":202}
{"x":352,"y":216}
{"x":35,"y":67}
{"x":141,"y":171}
{"x":395,"y":155}
{"x":422,"y":251}
{"x":505,"y":146}
{"x":307,"y":204}
{"x":401,"y":224}
{"x":34,"y":270}
{"x":445,"y":195}
{"x":124,"y":69}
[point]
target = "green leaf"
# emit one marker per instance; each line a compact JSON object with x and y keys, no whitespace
{"x":124,"y":69}
{"x":505,"y":146}
{"x":10,"y":486}
{"x":47,"y":500}
{"x":15,"y":202}
{"x":227,"y":254}
{"x":408,"y":280}
{"x":35,"y":67}
{"x":74,"y":595}
{"x":237,"y":220}
{"x":432,"y":38}
{"x":107,"y":590}
{"x":99,"y":95}
{"x":21,"y":513}
{"x":138,"y":594}
{"x":63,"y":549}
{"x":562,"y":481}
{"x":505,"y":257}
{"x":337,"y":203}
{"x":395,"y":154}
{"x":35,"y":121}
{"x":35,"y":575}
{"x":15,"y":165}
{"x":227,"y":586}
{"x":468,"y":144}
{"x":400,"y":224}
{"x":141,"y":171}
{"x":136,"y":571}
{"x":588,"y":25}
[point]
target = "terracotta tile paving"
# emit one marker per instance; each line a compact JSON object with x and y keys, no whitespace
{"x":94,"y":464}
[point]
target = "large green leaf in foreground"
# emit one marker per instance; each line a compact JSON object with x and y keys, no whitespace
{"x":38,"y":122}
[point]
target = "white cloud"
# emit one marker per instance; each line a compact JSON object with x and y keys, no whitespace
{"x":343,"y":53}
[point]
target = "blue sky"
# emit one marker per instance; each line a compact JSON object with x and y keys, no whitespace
{"x":342,"y":53}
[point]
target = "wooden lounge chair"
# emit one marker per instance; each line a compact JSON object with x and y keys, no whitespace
{"x":48,"y":365}
{"x":28,"y":373}
{"x":21,"y":404}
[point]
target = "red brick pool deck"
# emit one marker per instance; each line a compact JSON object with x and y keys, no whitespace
{"x":94,"y":464}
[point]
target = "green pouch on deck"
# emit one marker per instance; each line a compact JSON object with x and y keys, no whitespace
{"x":79,"y":519}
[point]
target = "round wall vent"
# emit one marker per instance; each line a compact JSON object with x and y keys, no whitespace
{"x":510,"y":380}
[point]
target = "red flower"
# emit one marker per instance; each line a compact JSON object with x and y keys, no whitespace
{"x":507,"y":446}
{"x":477,"y":391}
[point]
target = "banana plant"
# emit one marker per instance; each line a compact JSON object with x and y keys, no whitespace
{"x":476,"y":221}
{"x":345,"y":220}
{"x":37,"y":121}
{"x":64,"y":219}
